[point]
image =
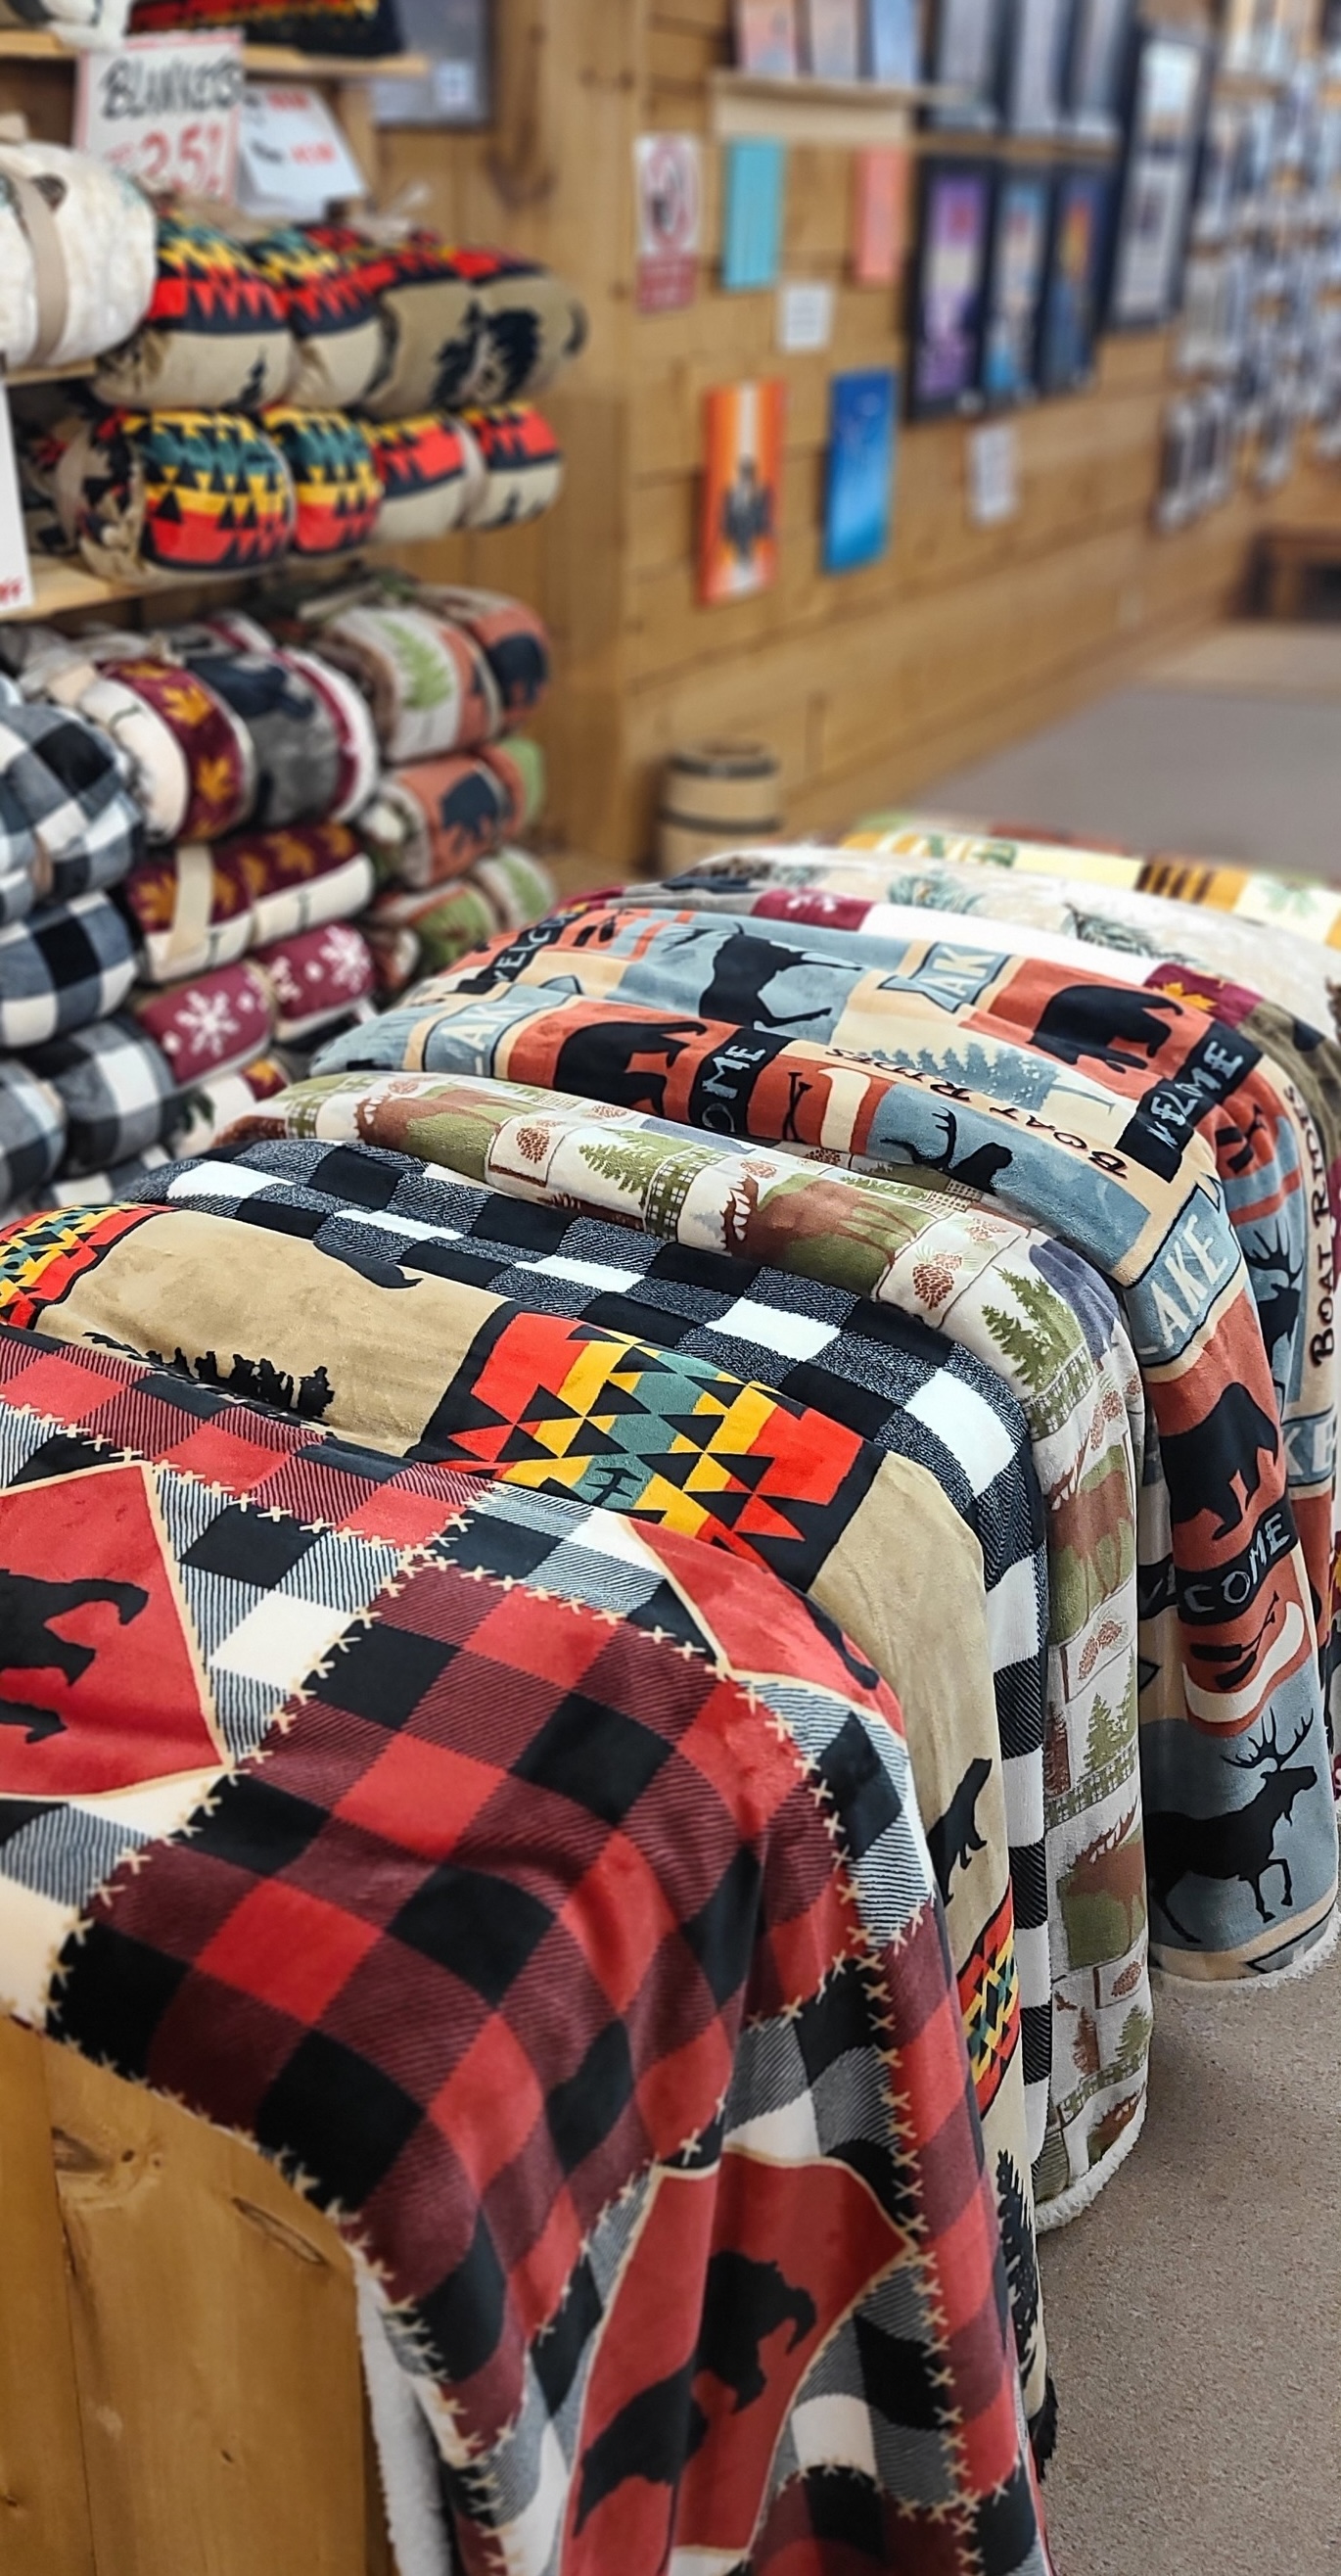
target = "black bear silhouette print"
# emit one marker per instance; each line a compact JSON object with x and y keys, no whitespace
{"x":659,"y":2430}
{"x":1090,"y":1019}
{"x":29,"y":1643}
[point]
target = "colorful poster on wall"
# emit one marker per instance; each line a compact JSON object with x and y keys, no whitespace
{"x":859,"y":498}
{"x":756,"y":178}
{"x":889,"y":42}
{"x":952,"y":262}
{"x":1015,"y":286}
{"x":738,"y":552}
{"x":766,"y":38}
{"x":1070,"y":311}
{"x":669,"y":170}
{"x":880,"y":191}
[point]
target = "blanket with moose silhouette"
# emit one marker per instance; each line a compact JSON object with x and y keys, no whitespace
{"x":553,"y":1403}
{"x":972,"y":1279}
{"x":575,"y":1943}
{"x":883,"y":1374}
{"x":1182,"y":1074}
{"x":1229,"y":1646}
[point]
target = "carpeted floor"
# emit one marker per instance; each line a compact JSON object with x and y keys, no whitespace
{"x":1194,"y":2313}
{"x":1229,"y":749}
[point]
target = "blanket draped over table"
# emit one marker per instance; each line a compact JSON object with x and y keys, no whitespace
{"x":575,"y":1943}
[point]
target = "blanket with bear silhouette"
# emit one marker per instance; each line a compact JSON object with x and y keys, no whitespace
{"x":552,"y":1901}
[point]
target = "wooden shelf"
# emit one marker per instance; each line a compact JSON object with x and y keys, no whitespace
{"x":747,"y":107}
{"x":60,"y":586}
{"x":285,"y":62}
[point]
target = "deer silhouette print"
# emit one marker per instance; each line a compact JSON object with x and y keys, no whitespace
{"x":979,"y":1169}
{"x":1241,"y":1845}
{"x":1276,"y":1286}
{"x":29,"y":1643}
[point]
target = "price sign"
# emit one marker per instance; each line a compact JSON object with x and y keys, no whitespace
{"x":294,"y":157}
{"x":670,"y":219}
{"x":993,"y":474}
{"x":165,"y":109}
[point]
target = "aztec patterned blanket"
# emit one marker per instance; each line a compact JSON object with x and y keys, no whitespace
{"x":887,"y":1376}
{"x":1030,"y":1312}
{"x":1229,"y":1664}
{"x":600,"y":1992}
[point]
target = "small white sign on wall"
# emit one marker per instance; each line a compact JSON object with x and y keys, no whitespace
{"x":993,"y":474}
{"x":295,"y":160}
{"x":805,"y":315}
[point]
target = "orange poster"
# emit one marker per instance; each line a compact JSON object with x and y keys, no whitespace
{"x":741,"y":490}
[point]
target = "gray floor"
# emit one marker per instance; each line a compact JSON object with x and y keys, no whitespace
{"x":1194,"y":2313}
{"x":1207,"y":755}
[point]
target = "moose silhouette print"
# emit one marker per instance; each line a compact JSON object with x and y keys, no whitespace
{"x":29,"y":1643}
{"x":1241,"y":1845}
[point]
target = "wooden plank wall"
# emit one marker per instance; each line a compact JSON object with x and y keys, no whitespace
{"x":868,"y":685}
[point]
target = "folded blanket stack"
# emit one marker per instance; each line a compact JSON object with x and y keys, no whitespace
{"x":447,"y":673}
{"x":296,"y":393}
{"x":231,"y":786}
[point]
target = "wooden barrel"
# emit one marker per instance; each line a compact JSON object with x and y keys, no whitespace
{"x":714,"y":795}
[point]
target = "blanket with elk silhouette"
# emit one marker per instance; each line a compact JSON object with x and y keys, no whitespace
{"x":551,"y":1898}
{"x":1232,"y":1603}
{"x":900,"y":1001}
{"x":554,"y":1403}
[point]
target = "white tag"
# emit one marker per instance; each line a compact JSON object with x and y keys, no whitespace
{"x":165,"y":109}
{"x":295,"y":159}
{"x":16,"y":580}
{"x":805,"y":315}
{"x":993,"y":474}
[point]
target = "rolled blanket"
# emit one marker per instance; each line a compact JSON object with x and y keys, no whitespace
{"x":319,"y":977}
{"x":68,"y":822}
{"x":337,"y":491}
{"x":421,"y":934}
{"x":432,"y":475}
{"x":302,"y":731}
{"x":201,"y":1114}
{"x":431,"y":321}
{"x":117,"y":1091}
{"x":214,"y":337}
{"x":210,"y":1024}
{"x":64,"y":964}
{"x":77,"y":250}
{"x":509,"y":634}
{"x":523,"y":465}
{"x":173,"y":491}
{"x":332,"y":318}
{"x":435,"y":818}
{"x":32,"y":1131}
{"x":190,"y":761}
{"x":204,"y":904}
{"x":429,"y":686}
{"x":531,"y":325}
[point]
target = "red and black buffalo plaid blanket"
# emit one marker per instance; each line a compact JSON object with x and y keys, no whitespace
{"x":547,"y":1896}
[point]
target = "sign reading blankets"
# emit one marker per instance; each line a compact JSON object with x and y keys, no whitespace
{"x":789,"y":2134}
{"x":1229,"y":1660}
{"x":1031,"y":1312}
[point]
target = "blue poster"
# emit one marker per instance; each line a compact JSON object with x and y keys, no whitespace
{"x":752,"y":226}
{"x":859,"y":505}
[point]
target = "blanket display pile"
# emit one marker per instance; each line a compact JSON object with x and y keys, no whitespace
{"x":657,"y":1554}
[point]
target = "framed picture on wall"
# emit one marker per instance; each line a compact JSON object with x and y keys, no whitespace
{"x":1033,"y":60}
{"x":1075,"y":268}
{"x":1015,"y":275}
{"x":831,"y":39}
{"x":965,"y":53}
{"x":738,"y":536}
{"x":1096,"y":65}
{"x":766,"y":38}
{"x":953,"y":236}
{"x":1168,"y":100}
{"x":859,"y":487}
